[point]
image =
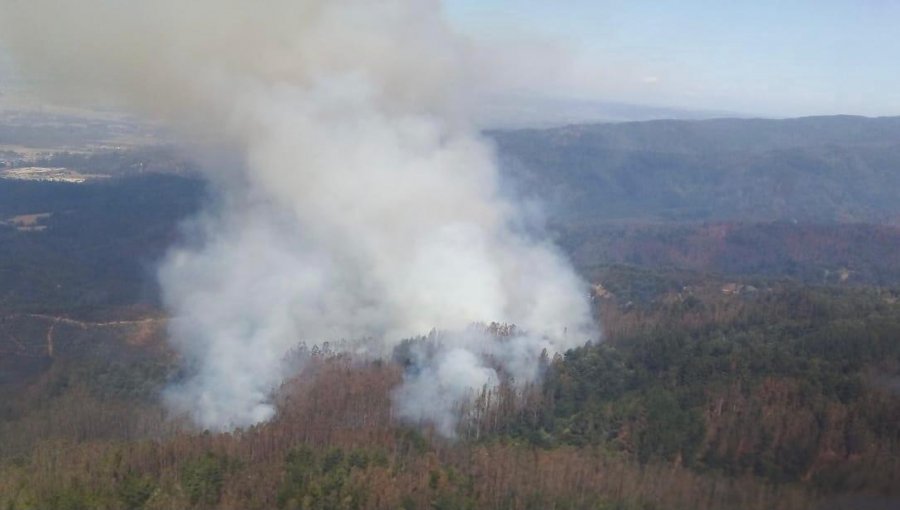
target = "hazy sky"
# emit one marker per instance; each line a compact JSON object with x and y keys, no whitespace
{"x":768,"y":57}
{"x":754,"y":57}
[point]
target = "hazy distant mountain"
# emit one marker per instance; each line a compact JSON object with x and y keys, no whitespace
{"x":820,"y":169}
{"x":514,"y":111}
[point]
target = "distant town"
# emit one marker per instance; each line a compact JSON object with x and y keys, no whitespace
{"x":35,"y":173}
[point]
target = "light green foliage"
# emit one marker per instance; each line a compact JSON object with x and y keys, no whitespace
{"x":202,"y":479}
{"x":325,"y":480}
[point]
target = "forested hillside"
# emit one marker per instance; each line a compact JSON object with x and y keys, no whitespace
{"x":745,"y":275}
{"x":94,"y":245}
{"x":836,"y":254}
{"x":783,"y":397}
{"x":817,"y":169}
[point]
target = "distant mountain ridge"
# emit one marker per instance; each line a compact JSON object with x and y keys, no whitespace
{"x":512,"y":110}
{"x":812,"y":169}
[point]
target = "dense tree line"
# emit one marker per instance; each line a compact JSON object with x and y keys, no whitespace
{"x":790,"y":387}
{"x":696,"y":399}
{"x":335,"y":445}
{"x":843,"y":254}
{"x":101,"y":243}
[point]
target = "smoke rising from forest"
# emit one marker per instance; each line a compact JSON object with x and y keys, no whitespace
{"x":364,"y":205}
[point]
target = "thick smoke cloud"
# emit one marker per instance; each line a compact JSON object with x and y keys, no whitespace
{"x":365,"y":205}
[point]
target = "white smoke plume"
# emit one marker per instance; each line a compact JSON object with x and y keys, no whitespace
{"x":365,"y":206}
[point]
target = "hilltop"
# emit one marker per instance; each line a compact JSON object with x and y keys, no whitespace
{"x":815,"y":169}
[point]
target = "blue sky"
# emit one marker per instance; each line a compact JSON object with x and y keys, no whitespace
{"x":763,"y":57}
